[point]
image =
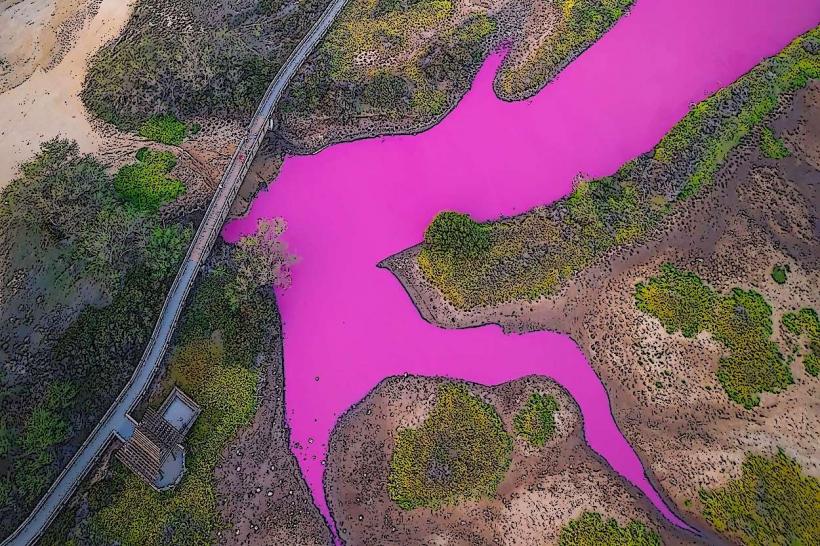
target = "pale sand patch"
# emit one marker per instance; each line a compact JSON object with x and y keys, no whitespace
{"x":48,"y":103}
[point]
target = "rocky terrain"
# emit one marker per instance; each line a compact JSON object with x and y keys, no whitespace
{"x":544,"y":487}
{"x":663,"y":387}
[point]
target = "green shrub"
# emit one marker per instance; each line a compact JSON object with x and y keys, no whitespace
{"x":779,"y":273}
{"x":773,"y":502}
{"x":536,"y":420}
{"x":592,"y":530}
{"x":44,"y":429}
{"x":805,"y":323}
{"x":461,"y":451}
{"x":145,"y":185}
{"x":165,"y":248}
{"x":165,"y":129}
{"x":457,"y":235}
{"x":742,"y":321}
{"x":679,"y":299}
{"x":771,"y":146}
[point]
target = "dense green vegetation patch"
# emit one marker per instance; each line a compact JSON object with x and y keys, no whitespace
{"x":773,"y":502}
{"x":780,"y":273}
{"x":805,"y":323}
{"x":581,"y":24}
{"x":529,"y":256}
{"x":456,"y":235}
{"x":592,"y":530}
{"x":461,"y":451}
{"x":165,"y":129}
{"x":741,"y":320}
{"x":145,"y":185}
{"x":31,"y":452}
{"x":86,"y":238}
{"x":771,"y":146}
{"x":214,"y":362}
{"x":536,"y":420}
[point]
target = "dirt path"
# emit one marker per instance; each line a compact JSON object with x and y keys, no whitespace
{"x":48,"y":103}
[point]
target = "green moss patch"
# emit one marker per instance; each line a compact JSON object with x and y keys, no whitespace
{"x":741,"y":321}
{"x":536,"y":420}
{"x":773,"y":502}
{"x":592,"y":530}
{"x":145,"y":185}
{"x":461,"y":451}
{"x":805,"y":323}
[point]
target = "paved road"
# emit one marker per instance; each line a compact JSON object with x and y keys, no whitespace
{"x":115,"y":420}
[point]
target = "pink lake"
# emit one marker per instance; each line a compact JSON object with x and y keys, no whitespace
{"x":347,"y":324}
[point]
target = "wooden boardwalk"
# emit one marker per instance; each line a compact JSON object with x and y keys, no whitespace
{"x":115,"y":420}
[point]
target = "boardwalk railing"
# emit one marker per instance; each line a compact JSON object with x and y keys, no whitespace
{"x":216,"y":213}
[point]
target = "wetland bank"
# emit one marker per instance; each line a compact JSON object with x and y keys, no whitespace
{"x":348,"y":324}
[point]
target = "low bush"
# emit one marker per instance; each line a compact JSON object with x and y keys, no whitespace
{"x":780,"y":273}
{"x":679,"y":299}
{"x":773,"y":502}
{"x":145,"y":185}
{"x":165,"y":129}
{"x":592,"y":530}
{"x":742,"y":321}
{"x":461,"y":451}
{"x":165,"y":247}
{"x":535,"y":422}
{"x":771,"y":146}
{"x":31,"y":453}
{"x":805,"y":323}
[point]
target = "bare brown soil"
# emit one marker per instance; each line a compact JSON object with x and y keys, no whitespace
{"x":261,"y":495}
{"x":543,"y":488}
{"x":663,"y":388}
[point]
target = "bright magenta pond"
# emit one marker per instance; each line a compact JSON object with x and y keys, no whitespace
{"x":348,"y":325}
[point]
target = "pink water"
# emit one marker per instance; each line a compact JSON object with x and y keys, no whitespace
{"x":348,"y":324}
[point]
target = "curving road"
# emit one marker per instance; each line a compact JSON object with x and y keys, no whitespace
{"x":116,"y":421}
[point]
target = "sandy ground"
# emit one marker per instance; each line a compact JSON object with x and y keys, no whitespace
{"x":47,"y":104}
{"x":663,"y":388}
{"x":34,"y":34}
{"x":543,"y":488}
